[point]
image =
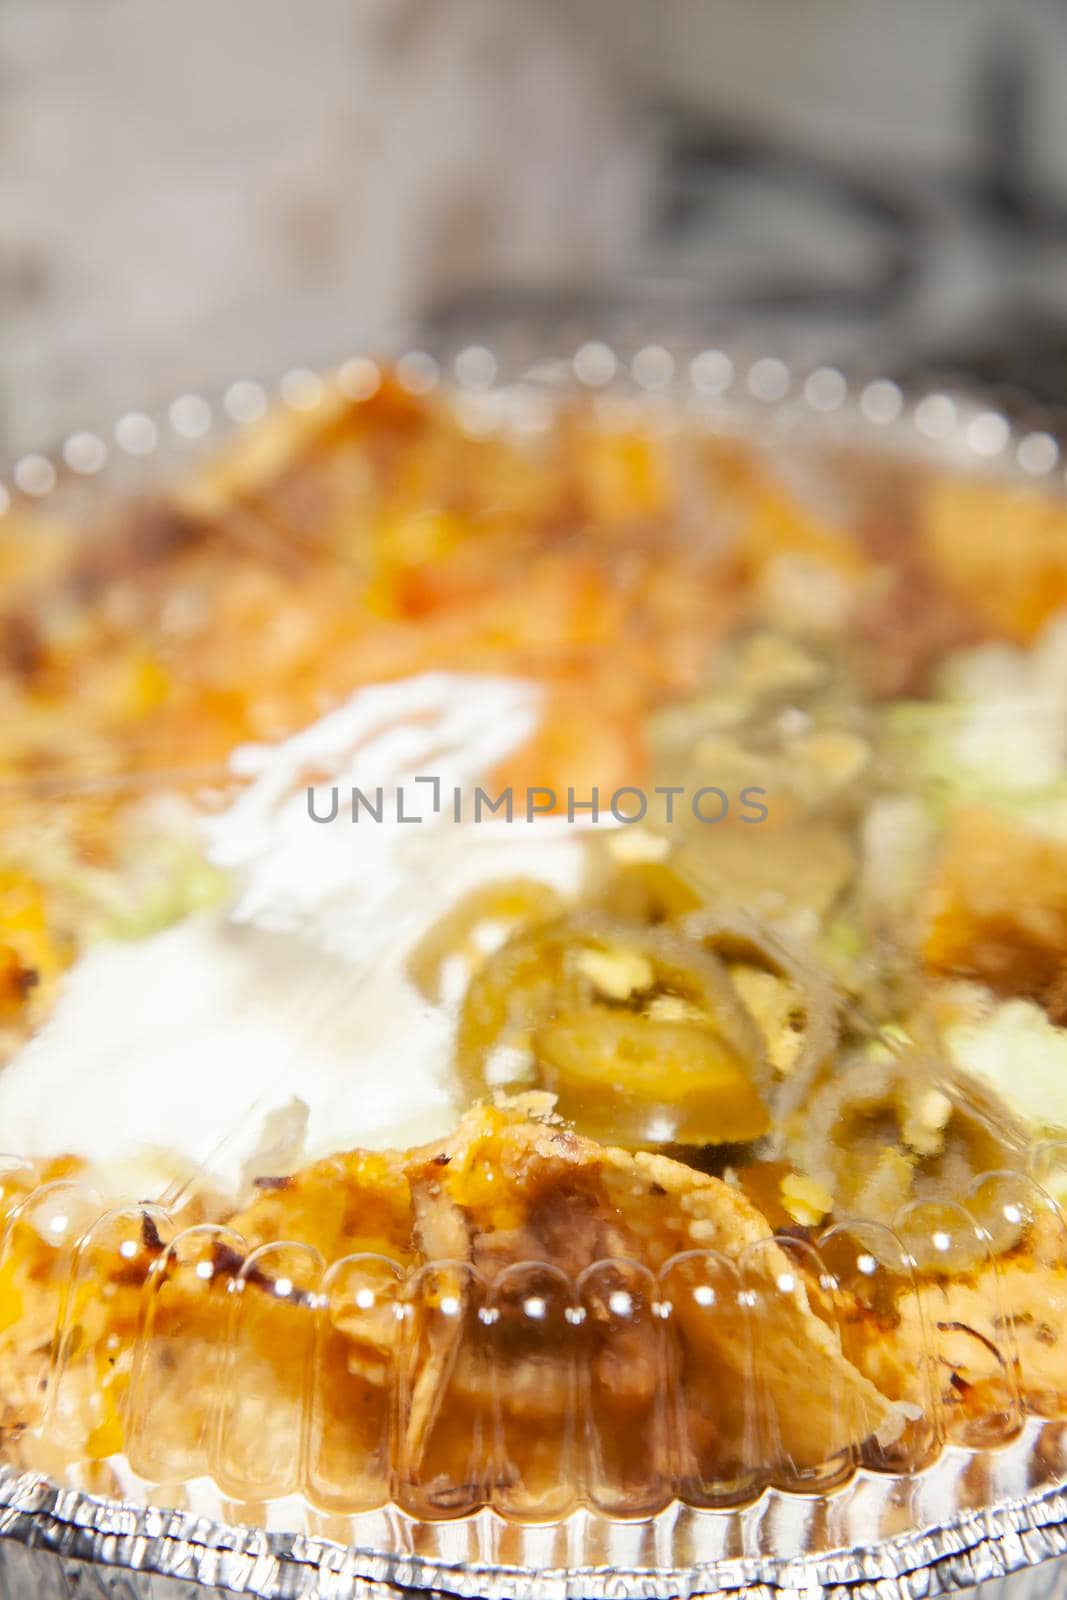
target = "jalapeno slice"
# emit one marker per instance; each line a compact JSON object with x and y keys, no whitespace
{"x":517,"y":901}
{"x":637,"y":1030}
{"x":627,"y":1080}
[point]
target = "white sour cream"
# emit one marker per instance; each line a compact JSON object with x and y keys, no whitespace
{"x":169,"y":1056}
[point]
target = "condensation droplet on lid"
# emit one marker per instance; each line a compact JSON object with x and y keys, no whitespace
{"x":136,"y":433}
{"x":35,"y":475}
{"x":529,"y":412}
{"x":417,"y":372}
{"x":359,"y":378}
{"x":475,"y":367}
{"x":190,"y":416}
{"x":935,"y":416}
{"x":1038,"y":453}
{"x":988,"y":433}
{"x":85,"y":453}
{"x":768,"y":378}
{"x":825,"y":389}
{"x":477,"y":413}
{"x":302,"y":389}
{"x":245,"y":401}
{"x":594,"y":364}
{"x":882,"y":401}
{"x":712,"y":372}
{"x":652,"y":367}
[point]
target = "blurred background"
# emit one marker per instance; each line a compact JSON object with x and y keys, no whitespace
{"x":202,"y":192}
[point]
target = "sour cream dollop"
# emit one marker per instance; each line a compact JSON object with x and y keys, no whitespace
{"x":170,"y":1056}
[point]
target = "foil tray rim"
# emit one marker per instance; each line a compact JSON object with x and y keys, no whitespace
{"x":966,"y":1549}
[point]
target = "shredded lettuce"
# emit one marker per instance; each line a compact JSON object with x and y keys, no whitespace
{"x":998,"y":735}
{"x":1018,"y":1053}
{"x":179,"y":883}
{"x":149,"y":891}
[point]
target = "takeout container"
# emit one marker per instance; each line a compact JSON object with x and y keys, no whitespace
{"x":954,"y":1501}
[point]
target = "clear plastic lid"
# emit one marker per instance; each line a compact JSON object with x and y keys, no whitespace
{"x":532,"y":927}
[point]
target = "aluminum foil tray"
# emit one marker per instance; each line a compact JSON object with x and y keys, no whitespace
{"x":947,"y":1506}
